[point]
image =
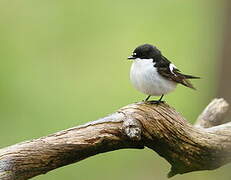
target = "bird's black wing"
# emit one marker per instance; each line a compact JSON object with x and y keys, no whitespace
{"x":169,"y":71}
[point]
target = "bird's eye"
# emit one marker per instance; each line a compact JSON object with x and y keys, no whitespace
{"x":134,"y":54}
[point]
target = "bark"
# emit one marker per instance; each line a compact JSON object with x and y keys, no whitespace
{"x":204,"y":146}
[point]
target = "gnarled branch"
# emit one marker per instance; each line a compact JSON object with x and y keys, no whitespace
{"x":205,"y":146}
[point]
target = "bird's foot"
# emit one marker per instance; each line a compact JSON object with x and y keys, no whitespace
{"x":157,"y":102}
{"x":154,"y":101}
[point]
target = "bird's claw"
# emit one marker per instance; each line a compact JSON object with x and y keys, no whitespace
{"x":154,"y":102}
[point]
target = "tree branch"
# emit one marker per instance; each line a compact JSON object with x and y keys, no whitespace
{"x":187,"y":148}
{"x":213,"y":114}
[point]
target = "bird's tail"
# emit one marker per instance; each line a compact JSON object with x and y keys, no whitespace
{"x":187,"y":83}
{"x":190,"y":77}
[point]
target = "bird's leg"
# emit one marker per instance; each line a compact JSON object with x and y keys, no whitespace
{"x":158,"y":101}
{"x":161,"y":98}
{"x":147,"y":98}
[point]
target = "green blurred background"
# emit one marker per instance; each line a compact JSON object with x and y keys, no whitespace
{"x":63,"y":63}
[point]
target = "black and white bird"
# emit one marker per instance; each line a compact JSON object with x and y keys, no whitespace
{"x":153,"y":74}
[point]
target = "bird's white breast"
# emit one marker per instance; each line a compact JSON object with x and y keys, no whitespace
{"x":145,"y":78}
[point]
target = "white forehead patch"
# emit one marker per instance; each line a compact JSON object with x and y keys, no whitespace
{"x":134,"y":53}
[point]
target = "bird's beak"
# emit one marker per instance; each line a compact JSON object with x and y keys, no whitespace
{"x":131,"y":57}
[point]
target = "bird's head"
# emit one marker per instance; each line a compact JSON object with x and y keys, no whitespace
{"x":145,"y":51}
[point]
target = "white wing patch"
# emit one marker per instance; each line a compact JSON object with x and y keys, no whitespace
{"x":172,"y":67}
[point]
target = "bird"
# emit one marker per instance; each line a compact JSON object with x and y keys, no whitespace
{"x":154,"y":75}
